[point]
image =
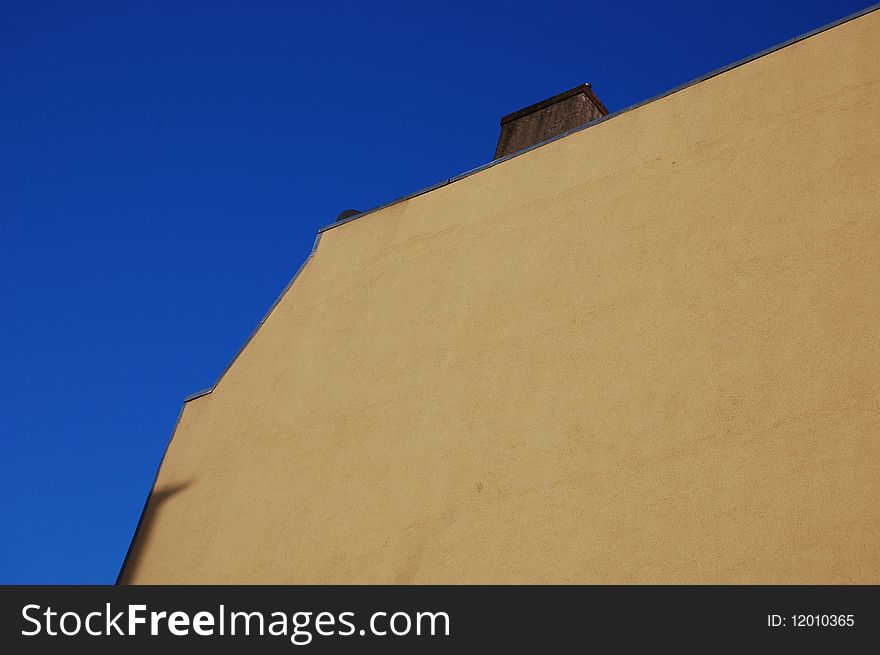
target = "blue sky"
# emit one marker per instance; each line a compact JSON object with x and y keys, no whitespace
{"x":164,"y":167}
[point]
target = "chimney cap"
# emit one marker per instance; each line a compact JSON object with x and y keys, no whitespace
{"x":586,"y":88}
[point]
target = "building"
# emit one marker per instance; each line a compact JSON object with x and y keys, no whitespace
{"x":643,"y":351}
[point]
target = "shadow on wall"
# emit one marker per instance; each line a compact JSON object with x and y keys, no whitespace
{"x":144,"y":529}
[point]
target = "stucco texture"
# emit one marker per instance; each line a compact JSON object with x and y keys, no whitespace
{"x":648,"y":352}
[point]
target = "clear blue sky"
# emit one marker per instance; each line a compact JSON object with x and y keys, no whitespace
{"x":164,"y":167}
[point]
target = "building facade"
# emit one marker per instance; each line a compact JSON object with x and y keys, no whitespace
{"x":645,"y":352}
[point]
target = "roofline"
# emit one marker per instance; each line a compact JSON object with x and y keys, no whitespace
{"x":137,"y":528}
{"x":611,"y":116}
{"x":447,"y":182}
{"x":501,"y":160}
{"x":199,"y":394}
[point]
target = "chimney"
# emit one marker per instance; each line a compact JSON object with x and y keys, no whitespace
{"x":548,"y":118}
{"x":347,"y":213}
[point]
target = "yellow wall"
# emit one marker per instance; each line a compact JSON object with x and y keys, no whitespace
{"x":647,"y":352}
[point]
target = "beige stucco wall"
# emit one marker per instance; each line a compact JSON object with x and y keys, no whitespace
{"x":647,"y":352}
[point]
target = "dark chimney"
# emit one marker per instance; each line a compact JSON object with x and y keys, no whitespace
{"x":548,"y":118}
{"x":347,"y":213}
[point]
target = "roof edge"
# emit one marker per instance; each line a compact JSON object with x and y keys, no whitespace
{"x":200,"y":394}
{"x":608,"y":117}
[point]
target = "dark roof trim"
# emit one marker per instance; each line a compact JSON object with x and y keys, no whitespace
{"x":609,"y":117}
